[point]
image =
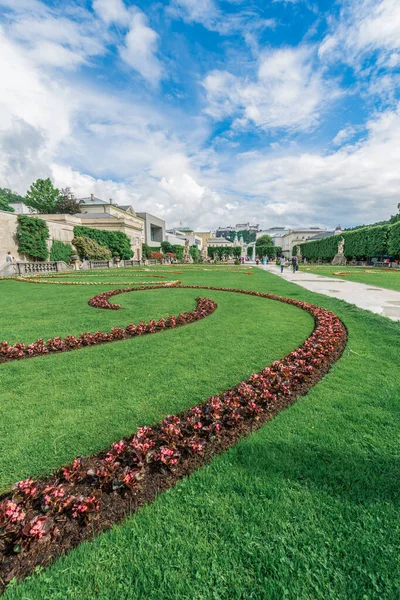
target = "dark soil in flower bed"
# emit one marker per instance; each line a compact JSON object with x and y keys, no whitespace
{"x":42,"y":519}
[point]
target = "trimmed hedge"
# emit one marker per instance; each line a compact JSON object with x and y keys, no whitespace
{"x":394,"y":240}
{"x":32,"y":234}
{"x":61,"y":251}
{"x":270,"y":251}
{"x":361,"y":244}
{"x":220,"y":252}
{"x":93,"y":250}
{"x":116,"y":241}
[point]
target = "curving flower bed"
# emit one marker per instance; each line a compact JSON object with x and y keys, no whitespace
{"x":40,"y":519}
{"x":20,"y":350}
{"x":45,"y":282}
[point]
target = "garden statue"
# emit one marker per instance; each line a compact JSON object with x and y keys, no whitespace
{"x":298,"y":254}
{"x":204,"y":253}
{"x":340,"y":258}
{"x":187,"y":257}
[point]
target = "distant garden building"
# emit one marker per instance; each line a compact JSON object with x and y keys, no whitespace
{"x":154,"y":229}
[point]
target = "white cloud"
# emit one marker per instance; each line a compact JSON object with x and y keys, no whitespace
{"x":140,"y":49}
{"x":289,"y":91}
{"x":199,"y":11}
{"x":28,"y":94}
{"x":344,"y":135}
{"x":356,"y":184}
{"x":53,"y":40}
{"x":53,"y":122}
{"x":112,"y":11}
{"x":364,"y":26}
{"x":208,"y":14}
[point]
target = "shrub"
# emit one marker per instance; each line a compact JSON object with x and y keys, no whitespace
{"x":32,"y":234}
{"x":146,"y":251}
{"x":90,"y":248}
{"x":178,"y":251}
{"x":116,"y":241}
{"x":157,"y":256}
{"x":61,"y":251}
{"x":167,"y":248}
{"x":194,"y":252}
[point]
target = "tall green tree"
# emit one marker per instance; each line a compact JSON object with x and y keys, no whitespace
{"x":43,"y":196}
{"x":67,"y":204}
{"x":6,"y":197}
{"x":395,"y":218}
{"x":264,"y":240}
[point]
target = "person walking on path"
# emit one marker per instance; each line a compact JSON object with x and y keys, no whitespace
{"x":9,"y":258}
{"x":294,"y":264}
{"x":283,"y":263}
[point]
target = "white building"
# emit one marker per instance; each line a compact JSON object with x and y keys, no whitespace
{"x":176,"y":237}
{"x":286,"y":238}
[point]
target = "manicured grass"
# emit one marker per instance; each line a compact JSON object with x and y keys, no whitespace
{"x":384,"y":278}
{"x":56,"y":407}
{"x":306,"y":508}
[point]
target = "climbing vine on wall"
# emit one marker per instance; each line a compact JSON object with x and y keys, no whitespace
{"x":32,"y":234}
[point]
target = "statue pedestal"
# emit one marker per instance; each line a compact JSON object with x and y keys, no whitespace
{"x":339,"y":260}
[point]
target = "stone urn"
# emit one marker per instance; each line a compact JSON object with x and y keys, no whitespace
{"x":74,"y":260}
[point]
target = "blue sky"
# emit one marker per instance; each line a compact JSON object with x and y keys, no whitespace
{"x":209,"y":112}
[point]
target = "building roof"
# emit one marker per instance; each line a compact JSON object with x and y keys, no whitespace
{"x":102,"y":215}
{"x":306,"y":230}
{"x":92,"y":200}
{"x":320,"y":236}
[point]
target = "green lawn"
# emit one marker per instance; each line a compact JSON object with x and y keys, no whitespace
{"x":384,"y":278}
{"x":306,"y":508}
{"x":56,"y":407}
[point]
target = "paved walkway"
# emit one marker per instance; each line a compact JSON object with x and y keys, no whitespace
{"x":378,"y":300}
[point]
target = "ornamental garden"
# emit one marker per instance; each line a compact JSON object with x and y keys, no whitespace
{"x":194,"y":431}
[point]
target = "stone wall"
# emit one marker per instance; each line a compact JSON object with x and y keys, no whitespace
{"x":62,"y":231}
{"x":8,"y":240}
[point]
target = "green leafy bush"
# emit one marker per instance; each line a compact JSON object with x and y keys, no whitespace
{"x":146,"y":251}
{"x":167,"y":247}
{"x":90,"y":248}
{"x":194,"y":252}
{"x":116,"y":241}
{"x":61,"y":251}
{"x":178,"y":251}
{"x":32,"y":234}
